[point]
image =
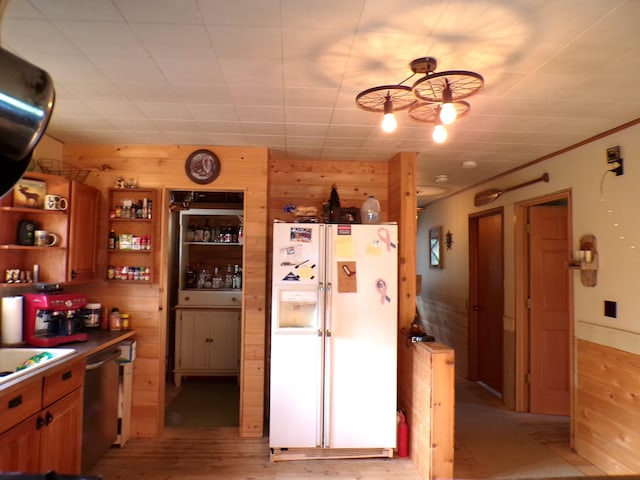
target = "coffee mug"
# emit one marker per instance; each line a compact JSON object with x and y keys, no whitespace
{"x":55,"y":202}
{"x":43,"y":238}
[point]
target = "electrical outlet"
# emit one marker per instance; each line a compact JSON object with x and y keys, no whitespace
{"x":610,"y":309}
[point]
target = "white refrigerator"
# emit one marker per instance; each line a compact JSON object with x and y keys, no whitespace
{"x":334,"y":337}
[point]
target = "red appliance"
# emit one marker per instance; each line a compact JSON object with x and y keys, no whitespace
{"x":51,"y":319}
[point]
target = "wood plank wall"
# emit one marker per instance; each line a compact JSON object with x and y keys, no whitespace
{"x":162,"y":167}
{"x":426,"y":393}
{"x":607,"y":408}
{"x":302,"y":183}
{"x":446,"y":319}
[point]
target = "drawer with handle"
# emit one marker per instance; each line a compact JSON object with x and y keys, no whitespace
{"x":19,"y":402}
{"x":62,"y":380}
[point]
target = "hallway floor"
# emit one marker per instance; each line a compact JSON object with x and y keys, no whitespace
{"x":493,"y":442}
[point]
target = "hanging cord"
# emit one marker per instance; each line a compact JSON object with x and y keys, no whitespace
{"x":620,"y":233}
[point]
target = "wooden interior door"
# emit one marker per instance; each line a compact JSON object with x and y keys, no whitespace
{"x":549,"y":314}
{"x":487,"y":299}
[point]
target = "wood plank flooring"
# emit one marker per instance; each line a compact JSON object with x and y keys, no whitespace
{"x":208,"y":453}
{"x":201,"y":453}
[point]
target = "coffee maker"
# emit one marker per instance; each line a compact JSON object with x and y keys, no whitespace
{"x":52,"y":319}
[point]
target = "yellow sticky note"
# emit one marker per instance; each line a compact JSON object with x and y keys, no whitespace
{"x":344,"y":246}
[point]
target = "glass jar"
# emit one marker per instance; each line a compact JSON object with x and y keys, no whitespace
{"x":115,"y":321}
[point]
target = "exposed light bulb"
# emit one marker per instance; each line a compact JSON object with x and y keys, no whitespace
{"x":389,"y":123}
{"x":448,"y":114}
{"x":439,"y":133}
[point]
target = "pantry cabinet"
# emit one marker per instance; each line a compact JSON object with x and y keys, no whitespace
{"x":42,"y":422}
{"x":207,"y":342}
{"x":72,"y":257}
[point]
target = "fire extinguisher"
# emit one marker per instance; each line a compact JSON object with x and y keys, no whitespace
{"x":403,"y":436}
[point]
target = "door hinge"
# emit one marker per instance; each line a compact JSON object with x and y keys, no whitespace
{"x":527,"y":228}
{"x":527,"y":378}
{"x":528,"y":303}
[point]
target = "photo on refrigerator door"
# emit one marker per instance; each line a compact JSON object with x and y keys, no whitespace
{"x":297,"y":250}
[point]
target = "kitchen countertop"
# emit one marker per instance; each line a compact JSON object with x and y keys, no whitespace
{"x":98,"y":340}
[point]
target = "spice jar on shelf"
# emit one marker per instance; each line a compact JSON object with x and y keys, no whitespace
{"x":115,"y":319}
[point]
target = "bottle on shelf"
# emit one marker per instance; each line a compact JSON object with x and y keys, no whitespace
{"x":228,"y":279}
{"x":216,"y":281}
{"x":112,"y":240}
{"x":237,"y":277}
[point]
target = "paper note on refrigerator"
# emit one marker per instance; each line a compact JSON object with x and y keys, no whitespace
{"x":344,"y":246}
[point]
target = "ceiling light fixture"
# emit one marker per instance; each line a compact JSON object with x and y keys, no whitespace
{"x":389,"y":122}
{"x":435,"y":98}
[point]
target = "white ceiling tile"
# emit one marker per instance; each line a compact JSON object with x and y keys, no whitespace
{"x":308,"y":115}
{"x":148,"y":92}
{"x":303,"y":130}
{"x":182,"y":41}
{"x":262,"y":128}
{"x":284,"y":74}
{"x":239,"y":72}
{"x":310,"y":97}
{"x":169,"y":111}
{"x":221,"y":127}
{"x":241,"y":12}
{"x":115,"y":110}
{"x":127,"y":69}
{"x":160,"y":11}
{"x":260,"y":43}
{"x":44,"y":38}
{"x":262,"y":96}
{"x":218,"y":113}
{"x":334,"y":14}
{"x":202,"y":93}
{"x":103,"y":38}
{"x":86,"y":10}
{"x":228,"y":139}
{"x":191,"y":70}
{"x":256,"y":113}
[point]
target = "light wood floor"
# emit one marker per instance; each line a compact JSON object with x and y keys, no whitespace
{"x":194,"y":454}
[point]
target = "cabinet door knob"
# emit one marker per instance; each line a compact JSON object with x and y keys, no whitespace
{"x":39,"y":422}
{"x":48,"y":418}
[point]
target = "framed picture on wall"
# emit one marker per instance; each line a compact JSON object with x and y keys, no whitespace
{"x":435,"y":247}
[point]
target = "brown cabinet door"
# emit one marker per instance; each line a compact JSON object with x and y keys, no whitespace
{"x":83,"y":231}
{"x":19,"y":447}
{"x":61,"y":440}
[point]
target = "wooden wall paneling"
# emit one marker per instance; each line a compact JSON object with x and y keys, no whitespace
{"x":607,"y":423}
{"x":162,"y":167}
{"x":308,"y":183}
{"x":426,"y":392}
{"x":403,"y":211}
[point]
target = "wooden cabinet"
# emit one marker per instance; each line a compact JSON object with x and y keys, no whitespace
{"x":131,"y":255}
{"x":51,"y":437}
{"x":83,"y":231}
{"x":72,"y":258}
{"x":207,"y":342}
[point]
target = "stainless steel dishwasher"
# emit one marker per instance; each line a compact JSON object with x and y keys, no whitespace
{"x":100,"y":417}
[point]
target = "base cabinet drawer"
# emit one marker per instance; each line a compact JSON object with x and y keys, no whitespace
{"x":19,"y":402}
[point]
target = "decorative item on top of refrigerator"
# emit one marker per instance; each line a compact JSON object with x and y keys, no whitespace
{"x":211,"y":254}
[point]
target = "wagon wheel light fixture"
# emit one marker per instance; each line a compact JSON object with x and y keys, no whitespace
{"x":435,"y":98}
